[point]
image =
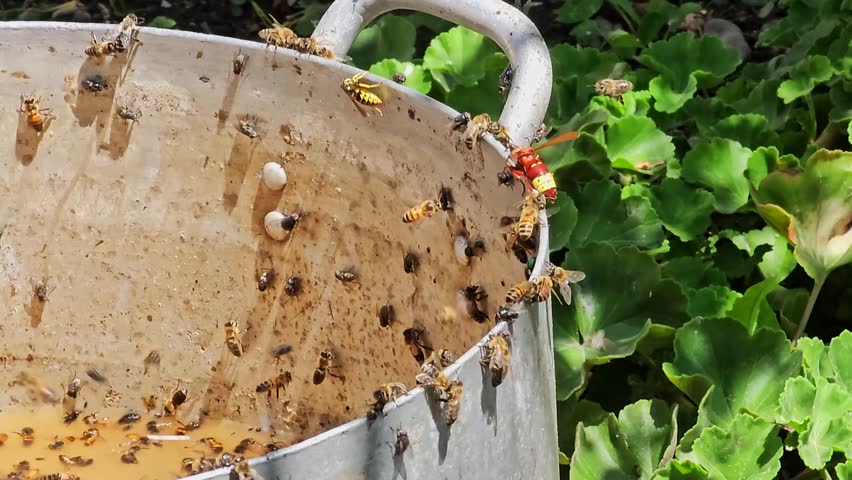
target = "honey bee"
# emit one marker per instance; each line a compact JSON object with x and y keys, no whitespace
{"x":74,"y":388}
{"x":346,"y":276}
{"x":265,"y":280}
{"x":542,"y":131}
{"x":154,"y":426}
{"x":414,"y":339}
{"x":55,"y":476}
{"x":454,"y":395}
{"x":129,"y":455}
{"x":89,"y":436}
{"x":386,"y":315}
{"x":441,"y":358}
{"x":310,"y":46}
{"x":401,"y":443}
{"x":151,"y":360}
{"x":460,"y":123}
{"x":504,"y":82}
{"x":92,"y":419}
{"x":78,"y":461}
{"x":360,"y":93}
{"x":56,"y":445}
{"x":425,"y":209}
{"x":27,"y":435}
{"x":433,"y":378}
{"x":324,"y":364}
{"x":520,"y":292}
{"x":293,"y":286}
{"x":543,"y":288}
{"x":213,"y":444}
{"x":496,"y":356}
{"x":475,"y":249}
{"x":247,"y":444}
{"x":239,"y":63}
{"x":389,"y":392}
{"x":248,"y":126}
{"x":477,"y":127}
{"x":232,"y":339}
{"x":445,"y":198}
{"x":243,"y":471}
{"x":529,"y":216}
{"x":613,"y":88}
{"x":37,"y":118}
{"x":128,"y":31}
{"x":188,"y":465}
{"x":500,"y":134}
{"x":398,"y":77}
{"x":71,"y":416}
{"x":127,"y":114}
{"x":94,"y":84}
{"x":177,"y":399}
{"x":277,"y":382}
{"x":410,"y":262}
{"x":289,"y":221}
{"x":40,"y":290}
{"x":278,"y":35}
{"x":563,"y":279}
{"x":103,"y":48}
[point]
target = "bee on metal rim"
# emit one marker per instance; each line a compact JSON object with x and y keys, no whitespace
{"x":37,"y":118}
{"x":389,"y":392}
{"x":542,"y":131}
{"x":387,"y":315}
{"x":459,"y":123}
{"x":431,"y":377}
{"x":505,"y":314}
{"x":499,"y":132}
{"x":441,"y":358}
{"x":496,"y":356}
{"x":399,"y":78}
{"x":240,"y":62}
{"x":563,"y":279}
{"x":278,"y":35}
{"x":477,"y":127}
{"x":504,"y":82}
{"x":103,"y":48}
{"x":232,"y":339}
{"x":248,"y":126}
{"x":126,"y":114}
{"x":360,"y":93}
{"x":293,"y":286}
{"x":410,"y":262}
{"x":128,"y":32}
{"x":347,"y":276}
{"x":265,"y":280}
{"x":310,"y":46}
{"x":613,"y":88}
{"x":324,"y":365}
{"x":543,"y":288}
{"x":278,"y":382}
{"x":454,"y":395}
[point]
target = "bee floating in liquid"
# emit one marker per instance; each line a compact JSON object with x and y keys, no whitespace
{"x":38,"y":118}
{"x":613,"y":88}
{"x":177,"y":399}
{"x":360,"y":93}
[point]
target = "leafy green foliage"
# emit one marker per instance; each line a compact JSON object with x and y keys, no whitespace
{"x":391,"y":36}
{"x":415,"y":77}
{"x":459,"y":57}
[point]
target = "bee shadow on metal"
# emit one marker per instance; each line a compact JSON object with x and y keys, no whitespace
{"x":119,"y":136}
{"x":35,"y":309}
{"x":228,"y":102}
{"x":436,"y":408}
{"x":265,"y":201}
{"x":488,"y":398}
{"x":27,"y":139}
{"x":220,"y":387}
{"x":399,"y":468}
{"x":235,"y":170}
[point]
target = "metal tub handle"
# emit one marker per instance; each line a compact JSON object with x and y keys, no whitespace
{"x":514,"y":33}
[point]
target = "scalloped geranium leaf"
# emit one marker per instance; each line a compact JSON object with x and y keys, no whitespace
{"x":750,"y":130}
{"x":459,"y":57}
{"x":749,"y":449}
{"x":841,"y":102}
{"x":570,"y":413}
{"x":840,"y":356}
{"x":765,"y":160}
{"x":693,"y":273}
{"x":391,"y":36}
{"x":604,"y":217}
{"x":721,"y":166}
{"x":628,"y":447}
{"x":712,"y":301}
{"x":753,"y":310}
{"x":763,"y":99}
{"x":685,"y":63}
{"x":844,"y":471}
{"x":620,"y":297}
{"x":777,"y":263}
{"x":684,"y":210}
{"x":632,"y":104}
{"x":813,"y":210}
{"x":415,"y":77}
{"x":815,"y":361}
{"x":811,"y":72}
{"x":635,"y":143}
{"x":748,"y":371}
{"x":681,"y":470}
{"x":585,"y":160}
{"x":797,"y":402}
{"x":562,"y":222}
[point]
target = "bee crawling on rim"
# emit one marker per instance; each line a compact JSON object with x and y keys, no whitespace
{"x":399,"y":78}
{"x":37,"y":118}
{"x":278,"y":35}
{"x":361,"y":93}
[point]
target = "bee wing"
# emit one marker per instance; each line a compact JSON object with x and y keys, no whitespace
{"x":618,"y":70}
{"x":565,"y":290}
{"x":551,"y":211}
{"x":575,"y":276}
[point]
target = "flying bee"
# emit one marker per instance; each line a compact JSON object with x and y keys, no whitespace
{"x":399,"y":77}
{"x":400,"y":445}
{"x":504,"y":82}
{"x":433,"y":378}
{"x":410,"y":262}
{"x":232,"y":338}
{"x":477,"y":127}
{"x":360,"y":93}
{"x":414,"y":339}
{"x":520,"y":292}
{"x":177,"y":399}
{"x":27,"y":435}
{"x":127,"y":114}
{"x":96,"y":375}
{"x":386,"y":315}
{"x":151,"y":360}
{"x":36,"y":387}
{"x":129,"y":455}
{"x":346,"y":276}
{"x":496,"y":356}
{"x":71,"y":416}
{"x":389,"y":392}
{"x":473,"y":298}
{"x":278,"y":35}
{"x":277,"y":383}
{"x":613,"y":88}
{"x":293,"y":286}
{"x":425,"y":209}
{"x":265,"y":280}
{"x":89,"y":436}
{"x":213,"y":444}
{"x":239,"y":63}
{"x":563,"y":279}
{"x":324,"y":364}
{"x":454,"y":395}
{"x":280,"y":350}
{"x":543,"y":288}
{"x":128,"y":31}
{"x":248,"y":126}
{"x":103,"y":48}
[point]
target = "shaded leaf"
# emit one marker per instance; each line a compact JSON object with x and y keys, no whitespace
{"x":161,"y":22}
{"x":569,"y":414}
{"x":575,"y":71}
{"x":683,"y":209}
{"x":415,"y":77}
{"x":459,"y":57}
{"x":482,"y":97}
{"x":753,"y":310}
{"x":721,"y":166}
{"x":814,"y":70}
{"x":635,"y":143}
{"x":568,"y":352}
{"x":840,"y":356}
{"x":713,"y":301}
{"x":586,"y":159}
{"x":575,"y":11}
{"x":562,"y":222}
{"x":750,"y":130}
{"x":391,"y":36}
{"x":777,"y":263}
{"x":748,"y":450}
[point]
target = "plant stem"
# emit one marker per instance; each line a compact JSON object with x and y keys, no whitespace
{"x":808,"y":309}
{"x":827,"y":137}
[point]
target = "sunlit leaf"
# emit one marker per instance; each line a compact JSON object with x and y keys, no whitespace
{"x":459,"y":57}
{"x":720,"y":165}
{"x":778,"y":262}
{"x":753,"y":310}
{"x":749,"y":449}
{"x":636,"y":144}
{"x":415,"y":77}
{"x":683,"y":209}
{"x":814,"y":70}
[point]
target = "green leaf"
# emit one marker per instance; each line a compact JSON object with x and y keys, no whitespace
{"x":797,"y":402}
{"x":620,"y":297}
{"x":693,"y":273}
{"x":482,"y":97}
{"x":748,"y":371}
{"x":562,"y":222}
{"x":711,"y":302}
{"x":683,"y":209}
{"x":844,"y":471}
{"x":584,"y":160}
{"x":576,"y":11}
{"x":749,"y":450}
{"x":777,"y":263}
{"x":812,"y":209}
{"x":623,"y":44}
{"x":735,"y":262}
{"x":763,"y":100}
{"x":841,"y":102}
{"x":821,"y":416}
{"x":669,"y":94}
{"x":415,"y":76}
{"x":629,"y":447}
{"x":564,"y":459}
{"x":568,"y":352}
{"x":459,"y":57}
{"x":840,"y":356}
{"x":815,"y":361}
{"x":632,"y":104}
{"x":764,"y":161}
{"x":391,"y":36}
{"x":814,"y":70}
{"x":720,"y":165}
{"x":569,"y":414}
{"x":161,"y":22}
{"x":750,"y":130}
{"x":753,"y":310}
{"x":677,"y":470}
{"x":575,"y":71}
{"x":635,"y":143}
{"x":604,"y":217}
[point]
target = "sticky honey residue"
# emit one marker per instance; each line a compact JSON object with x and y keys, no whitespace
{"x":158,"y":457}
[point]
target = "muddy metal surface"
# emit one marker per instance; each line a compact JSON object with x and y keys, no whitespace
{"x":150,"y":235}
